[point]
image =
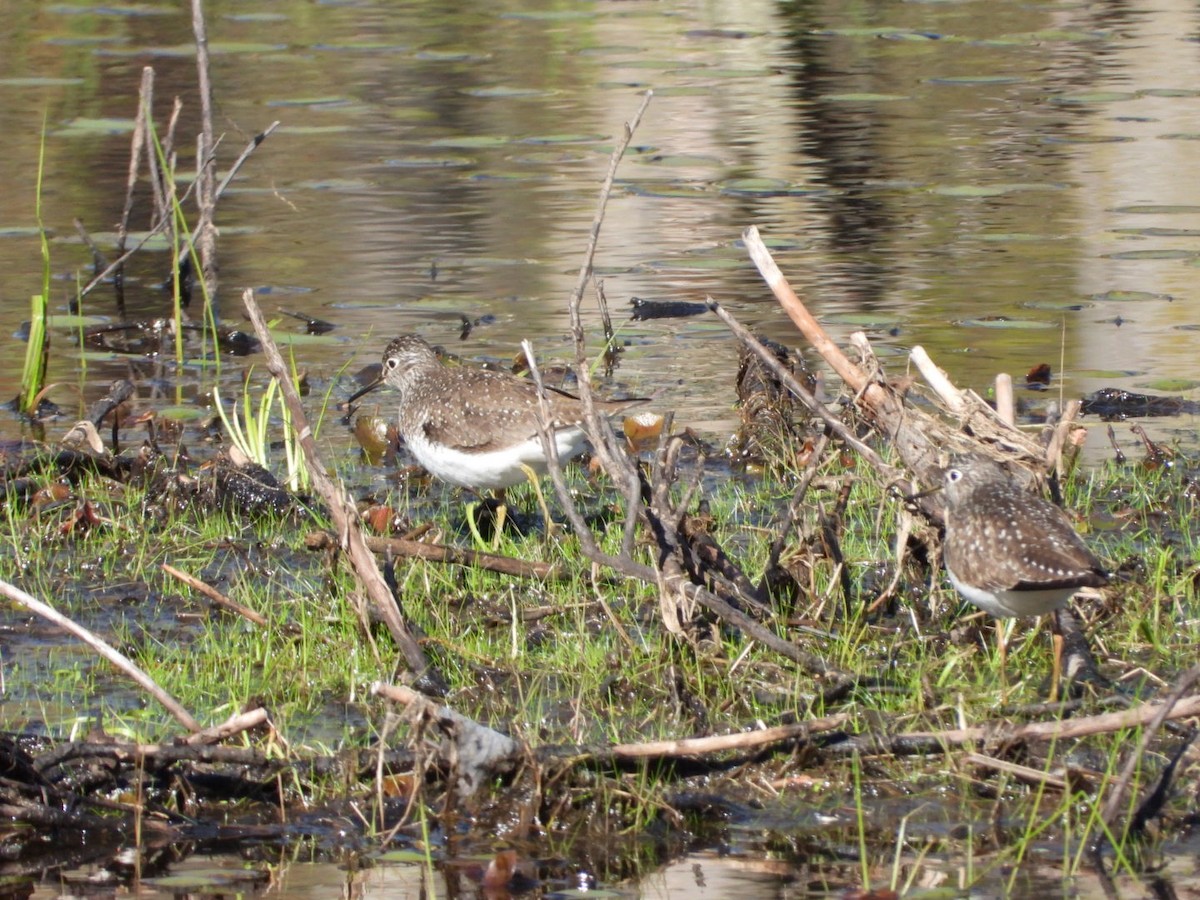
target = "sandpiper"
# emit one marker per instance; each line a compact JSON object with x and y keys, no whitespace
{"x":473,"y":427}
{"x":1008,"y":551}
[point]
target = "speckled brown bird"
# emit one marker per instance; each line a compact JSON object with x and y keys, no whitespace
{"x":473,"y":427}
{"x":1010,"y":552}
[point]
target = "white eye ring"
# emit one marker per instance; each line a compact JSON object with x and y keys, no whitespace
{"x":954,"y":475}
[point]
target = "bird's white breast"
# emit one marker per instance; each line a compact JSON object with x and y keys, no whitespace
{"x":491,"y":469}
{"x":1006,"y":603}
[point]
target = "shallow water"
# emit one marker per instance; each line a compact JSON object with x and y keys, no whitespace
{"x":922,"y":170}
{"x":1005,"y":184}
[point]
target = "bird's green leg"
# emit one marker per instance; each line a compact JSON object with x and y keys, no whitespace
{"x":541,"y":499}
{"x":1003,"y":632}
{"x":1056,"y":670}
{"x":473,"y":525}
{"x":501,"y":516}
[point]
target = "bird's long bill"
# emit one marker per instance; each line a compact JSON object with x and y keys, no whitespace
{"x":919,"y":495}
{"x":359,"y":393}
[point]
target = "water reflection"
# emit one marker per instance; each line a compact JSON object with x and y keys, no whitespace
{"x":951,"y":162}
{"x":1007,"y":184}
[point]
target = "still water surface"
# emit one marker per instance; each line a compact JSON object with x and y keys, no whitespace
{"x":1003,"y":183}
{"x":1006,"y":184}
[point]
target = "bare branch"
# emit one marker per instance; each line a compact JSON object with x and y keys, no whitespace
{"x":118,"y":659}
{"x":341,"y":508}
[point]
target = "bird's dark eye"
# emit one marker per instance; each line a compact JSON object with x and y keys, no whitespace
{"x":391,"y":362}
{"x":954,"y":475}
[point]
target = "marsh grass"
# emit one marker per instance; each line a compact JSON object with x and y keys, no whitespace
{"x":252,"y":439}
{"x":37,"y":346}
{"x":586,"y":661}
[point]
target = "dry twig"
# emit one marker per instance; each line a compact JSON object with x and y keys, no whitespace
{"x":118,"y":659}
{"x":342,"y":511}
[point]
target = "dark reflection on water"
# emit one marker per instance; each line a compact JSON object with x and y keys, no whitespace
{"x":947,"y":147}
{"x":935,"y":166}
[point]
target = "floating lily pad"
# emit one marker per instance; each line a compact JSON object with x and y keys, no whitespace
{"x":764,"y":187}
{"x":658,"y":65}
{"x":1086,"y":139}
{"x":1005,"y":323}
{"x":1170,"y":385}
{"x":84,"y":126}
{"x":39,"y":82}
{"x":971,"y":80}
{"x":112,"y":9}
{"x":233,"y":48}
{"x":1131,"y":296}
{"x":1180,"y":136}
{"x":1014,"y":237}
{"x":181,"y":413}
{"x":74,"y":321}
{"x":313,"y":129}
{"x":429,"y":55}
{"x":912,"y":36}
{"x":679,"y":160}
{"x":865,"y":31}
{"x":704,"y":263}
{"x":380,"y":47}
{"x":683,"y":90}
{"x":336,"y":184}
{"x":990,"y":190}
{"x":186,"y":51}
{"x":1153,"y":254}
{"x":673,"y":190}
{"x":205,"y":880}
{"x":863,"y":97}
{"x":515,"y":177}
{"x":564,"y":139}
{"x":610,"y":270}
{"x":20,"y":231}
{"x":551,"y":15}
{"x":487,"y":262}
{"x":1159,"y":232}
{"x":1057,"y":305}
{"x":1170,"y":92}
{"x":1054,"y":36}
{"x":283,"y":289}
{"x":311,"y":101}
{"x":87,"y":40}
{"x":1105,"y":374}
{"x":472,"y":141}
{"x":501,"y":90}
{"x":757,"y":186}
{"x":724,"y":75}
{"x":1089,"y":97}
{"x":256,"y":17}
{"x":775,"y":243}
{"x":550,"y":157}
{"x":295,"y":338}
{"x":157,"y":242}
{"x":731,"y":34}
{"x":403,"y":856}
{"x":1158,"y":209}
{"x":430,"y":162}
{"x":860,"y":320}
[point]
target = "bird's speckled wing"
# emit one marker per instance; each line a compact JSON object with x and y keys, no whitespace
{"x":1000,"y":557}
{"x":492,"y":411}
